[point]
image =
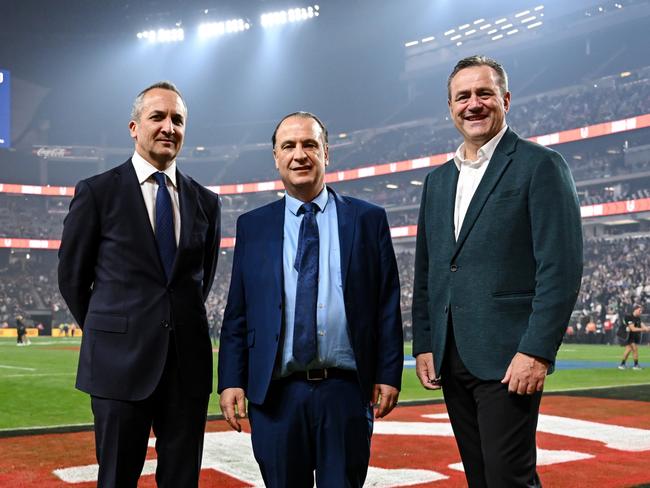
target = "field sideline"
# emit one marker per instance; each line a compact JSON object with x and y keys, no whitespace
{"x":37,"y":381}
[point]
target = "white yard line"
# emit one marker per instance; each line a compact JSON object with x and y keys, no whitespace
{"x":6,"y":366}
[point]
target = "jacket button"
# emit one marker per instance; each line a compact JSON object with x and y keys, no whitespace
{"x":164,"y":323}
{"x":446,"y":310}
{"x":453,"y":268}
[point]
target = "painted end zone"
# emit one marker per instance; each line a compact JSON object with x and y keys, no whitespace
{"x":582,"y":442}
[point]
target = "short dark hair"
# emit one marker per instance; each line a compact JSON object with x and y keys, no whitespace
{"x":479,"y":60}
{"x":136,"y":110}
{"x":304,"y":115}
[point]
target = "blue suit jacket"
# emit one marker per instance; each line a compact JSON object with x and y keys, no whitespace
{"x":511,"y":279}
{"x":112,"y":279}
{"x":252,"y":324}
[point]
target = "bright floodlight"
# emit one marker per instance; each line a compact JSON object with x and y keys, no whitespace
{"x":162,"y":35}
{"x":292,"y":15}
{"x":216,"y":29}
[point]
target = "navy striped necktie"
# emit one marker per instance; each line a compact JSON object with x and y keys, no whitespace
{"x":304,"y":331}
{"x":165,"y":237}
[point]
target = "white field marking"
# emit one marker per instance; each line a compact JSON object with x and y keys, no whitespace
{"x":6,"y":366}
{"x":436,"y":429}
{"x":436,"y":416}
{"x":546,"y":457}
{"x":628,"y":439}
{"x":409,"y":362}
{"x":35,"y":375}
{"x":232,"y":454}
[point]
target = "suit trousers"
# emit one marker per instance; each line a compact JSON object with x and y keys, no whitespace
{"x":494,"y":429}
{"x":122,"y":433}
{"x":306,"y":426}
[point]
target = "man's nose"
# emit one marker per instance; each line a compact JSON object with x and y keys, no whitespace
{"x":474,"y":102}
{"x":299,"y":153}
{"x":168,"y":126}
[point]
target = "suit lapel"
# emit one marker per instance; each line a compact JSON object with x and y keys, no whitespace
{"x":346,"y":215}
{"x":188,"y":201}
{"x":498,"y":163}
{"x":136,"y":213}
{"x":275,"y":240}
{"x":450,"y":193}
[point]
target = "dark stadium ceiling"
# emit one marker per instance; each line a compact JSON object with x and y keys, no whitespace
{"x":76,"y":64}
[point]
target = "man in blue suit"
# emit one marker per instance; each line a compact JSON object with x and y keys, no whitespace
{"x":312,"y":332}
{"x":497,"y":271}
{"x":137,"y":260}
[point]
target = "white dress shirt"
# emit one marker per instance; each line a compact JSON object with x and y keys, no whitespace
{"x":144,"y":171}
{"x":471,"y":174}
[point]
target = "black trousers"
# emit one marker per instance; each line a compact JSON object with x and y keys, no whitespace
{"x":122,"y":434}
{"x":495,"y":430}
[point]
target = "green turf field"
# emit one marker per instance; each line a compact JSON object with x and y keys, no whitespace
{"x":37,"y":381}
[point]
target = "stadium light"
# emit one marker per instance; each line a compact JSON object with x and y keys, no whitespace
{"x":209,"y":30}
{"x":536,"y":24}
{"x":162,"y":35}
{"x":411,"y":43}
{"x":428,"y":39}
{"x":281,"y":17}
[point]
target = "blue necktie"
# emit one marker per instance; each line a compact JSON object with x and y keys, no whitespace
{"x":165,"y":237}
{"x":304,"y":331}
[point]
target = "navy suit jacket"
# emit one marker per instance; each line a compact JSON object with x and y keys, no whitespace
{"x":511,"y":279}
{"x":252,"y":324}
{"x":113,"y":281}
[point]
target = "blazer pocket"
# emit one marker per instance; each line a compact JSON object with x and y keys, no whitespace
{"x":250,"y":338}
{"x":507,"y":194}
{"x":507,"y":297}
{"x":106,"y":323}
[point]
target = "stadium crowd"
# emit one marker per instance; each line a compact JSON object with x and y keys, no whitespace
{"x":616,"y":276}
{"x":617,"y":272}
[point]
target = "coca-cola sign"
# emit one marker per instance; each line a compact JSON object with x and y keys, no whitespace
{"x":46,"y":152}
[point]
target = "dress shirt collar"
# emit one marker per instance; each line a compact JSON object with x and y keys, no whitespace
{"x":293,"y":204}
{"x":484,"y":153}
{"x":144,"y":169}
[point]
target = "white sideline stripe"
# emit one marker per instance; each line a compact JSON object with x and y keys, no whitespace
{"x":438,"y":429}
{"x":628,"y":439}
{"x":232,"y":454}
{"x":436,"y":416}
{"x":32,"y":375}
{"x":6,"y":366}
{"x":546,"y":457}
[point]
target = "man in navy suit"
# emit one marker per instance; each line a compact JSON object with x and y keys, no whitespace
{"x":314,"y":342}
{"x":498,"y":265}
{"x":137,"y":260}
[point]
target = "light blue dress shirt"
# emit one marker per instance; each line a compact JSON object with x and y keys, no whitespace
{"x":333,"y":341}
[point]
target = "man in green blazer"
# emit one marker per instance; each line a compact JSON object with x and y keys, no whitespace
{"x":497,"y":271}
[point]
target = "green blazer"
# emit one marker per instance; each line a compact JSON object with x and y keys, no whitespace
{"x":511,"y":279}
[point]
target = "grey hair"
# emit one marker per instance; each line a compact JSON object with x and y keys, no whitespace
{"x":136,"y":109}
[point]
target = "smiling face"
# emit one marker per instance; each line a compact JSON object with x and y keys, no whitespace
{"x":301,"y":155}
{"x":477,"y":106}
{"x":158,"y":131}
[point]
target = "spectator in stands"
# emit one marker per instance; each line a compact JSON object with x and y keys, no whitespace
{"x":635,"y":328}
{"x":493,"y":292}
{"x":137,"y":259}
{"x":312,"y":332}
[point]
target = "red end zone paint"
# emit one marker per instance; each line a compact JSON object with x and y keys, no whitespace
{"x":583,"y":442}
